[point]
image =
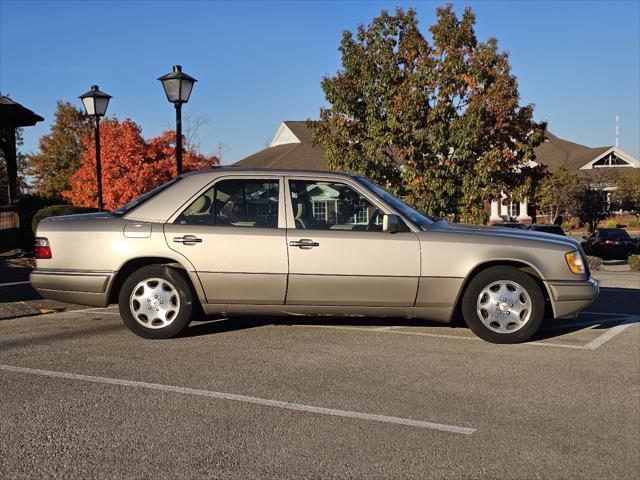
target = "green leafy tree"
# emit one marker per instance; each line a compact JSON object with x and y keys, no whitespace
{"x":592,"y":201}
{"x":438,"y":123}
{"x":556,"y":194}
{"x":627,"y":193}
{"x":60,"y":152}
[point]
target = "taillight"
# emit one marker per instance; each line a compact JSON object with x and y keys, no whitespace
{"x":42,"y":249}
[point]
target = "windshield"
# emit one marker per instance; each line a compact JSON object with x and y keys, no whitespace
{"x":136,"y":202}
{"x":413,"y":215}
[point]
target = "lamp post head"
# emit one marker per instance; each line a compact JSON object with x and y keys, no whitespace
{"x":95,"y":102}
{"x":177,"y":85}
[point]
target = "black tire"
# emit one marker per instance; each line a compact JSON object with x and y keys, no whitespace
{"x":484,"y":279}
{"x":181,"y":294}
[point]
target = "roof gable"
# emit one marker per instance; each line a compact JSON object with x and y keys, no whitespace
{"x":291,"y":147}
{"x":625,"y":160}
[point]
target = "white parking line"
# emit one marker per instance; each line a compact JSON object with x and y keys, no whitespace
{"x":606,"y":314}
{"x":244,"y":398}
{"x":112,"y":310}
{"x":10,"y":284}
{"x":563,"y":326}
{"x":612,"y":332}
{"x":623,"y":323}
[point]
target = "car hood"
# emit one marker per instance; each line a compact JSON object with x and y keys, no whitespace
{"x":508,"y":234}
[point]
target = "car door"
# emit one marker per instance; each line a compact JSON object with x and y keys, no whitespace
{"x":234,"y":234}
{"x":338,"y":253}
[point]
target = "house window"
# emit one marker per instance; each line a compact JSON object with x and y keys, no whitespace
{"x":361,"y":216}
{"x":513,"y":209}
{"x":319,"y":211}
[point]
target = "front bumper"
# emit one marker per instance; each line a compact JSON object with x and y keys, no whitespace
{"x":73,"y":286}
{"x":568,"y":298}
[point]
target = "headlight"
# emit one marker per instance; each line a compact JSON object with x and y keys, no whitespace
{"x":575,"y":262}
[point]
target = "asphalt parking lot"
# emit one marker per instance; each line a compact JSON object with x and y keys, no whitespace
{"x":82,"y":397}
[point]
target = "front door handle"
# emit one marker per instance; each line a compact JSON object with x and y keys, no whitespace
{"x":187,"y":239}
{"x":304,"y":243}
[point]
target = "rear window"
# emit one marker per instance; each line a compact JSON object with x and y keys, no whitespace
{"x":613,"y":232}
{"x":145,"y":197}
{"x":550,"y":229}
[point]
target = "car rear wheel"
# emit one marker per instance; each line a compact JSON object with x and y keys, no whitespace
{"x":156,"y":302}
{"x":503,"y":305}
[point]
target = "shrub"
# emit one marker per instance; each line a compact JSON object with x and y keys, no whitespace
{"x":634,"y":223}
{"x":634,"y":263}
{"x":28,"y":205}
{"x":56,"y":211}
{"x":594,"y":263}
{"x":612,"y":224}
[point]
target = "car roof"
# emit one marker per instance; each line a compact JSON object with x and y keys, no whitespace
{"x":268,"y":171}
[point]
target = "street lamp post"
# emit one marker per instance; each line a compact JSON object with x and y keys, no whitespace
{"x":95,"y":104}
{"x":177,"y":86}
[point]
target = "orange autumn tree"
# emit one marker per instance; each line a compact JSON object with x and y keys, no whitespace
{"x":131,"y":165}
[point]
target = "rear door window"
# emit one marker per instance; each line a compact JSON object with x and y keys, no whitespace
{"x":235,"y":203}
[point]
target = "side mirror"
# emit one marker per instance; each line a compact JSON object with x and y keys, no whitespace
{"x":390,"y":223}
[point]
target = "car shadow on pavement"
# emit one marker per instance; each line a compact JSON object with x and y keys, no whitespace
{"x":613,"y":304}
{"x":235,"y":323}
{"x":64,"y":334}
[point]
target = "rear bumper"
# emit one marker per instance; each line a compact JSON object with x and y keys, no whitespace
{"x":568,"y":298}
{"x":73,"y":286}
{"x":616,"y":252}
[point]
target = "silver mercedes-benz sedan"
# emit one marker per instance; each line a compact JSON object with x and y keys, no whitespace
{"x":271,"y":242}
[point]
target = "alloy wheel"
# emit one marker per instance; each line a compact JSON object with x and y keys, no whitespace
{"x":154,"y":303}
{"x":504,"y":306}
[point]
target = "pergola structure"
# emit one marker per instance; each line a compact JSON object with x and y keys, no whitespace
{"x":12,"y":116}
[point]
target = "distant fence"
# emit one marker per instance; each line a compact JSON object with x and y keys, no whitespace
{"x":9,"y":217}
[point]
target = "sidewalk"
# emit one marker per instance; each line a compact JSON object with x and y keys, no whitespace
{"x":617,"y":279}
{"x":17,"y":296}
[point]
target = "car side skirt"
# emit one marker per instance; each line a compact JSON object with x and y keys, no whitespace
{"x":231,"y":309}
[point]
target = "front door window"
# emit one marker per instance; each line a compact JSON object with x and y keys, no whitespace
{"x":332,"y":206}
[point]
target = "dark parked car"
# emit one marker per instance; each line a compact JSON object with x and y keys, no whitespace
{"x":510,"y":225}
{"x":610,"y":243}
{"x":545,"y":228}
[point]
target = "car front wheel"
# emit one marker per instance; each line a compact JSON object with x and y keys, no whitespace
{"x":156,"y":302}
{"x":503,"y":305}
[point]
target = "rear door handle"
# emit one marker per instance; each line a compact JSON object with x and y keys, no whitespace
{"x":187,"y":239}
{"x":304,"y":243}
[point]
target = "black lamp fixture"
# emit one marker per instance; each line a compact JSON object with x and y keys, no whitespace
{"x":177,"y":86}
{"x":95,"y":104}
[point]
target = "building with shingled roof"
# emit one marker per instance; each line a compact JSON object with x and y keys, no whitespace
{"x":292,"y":147}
